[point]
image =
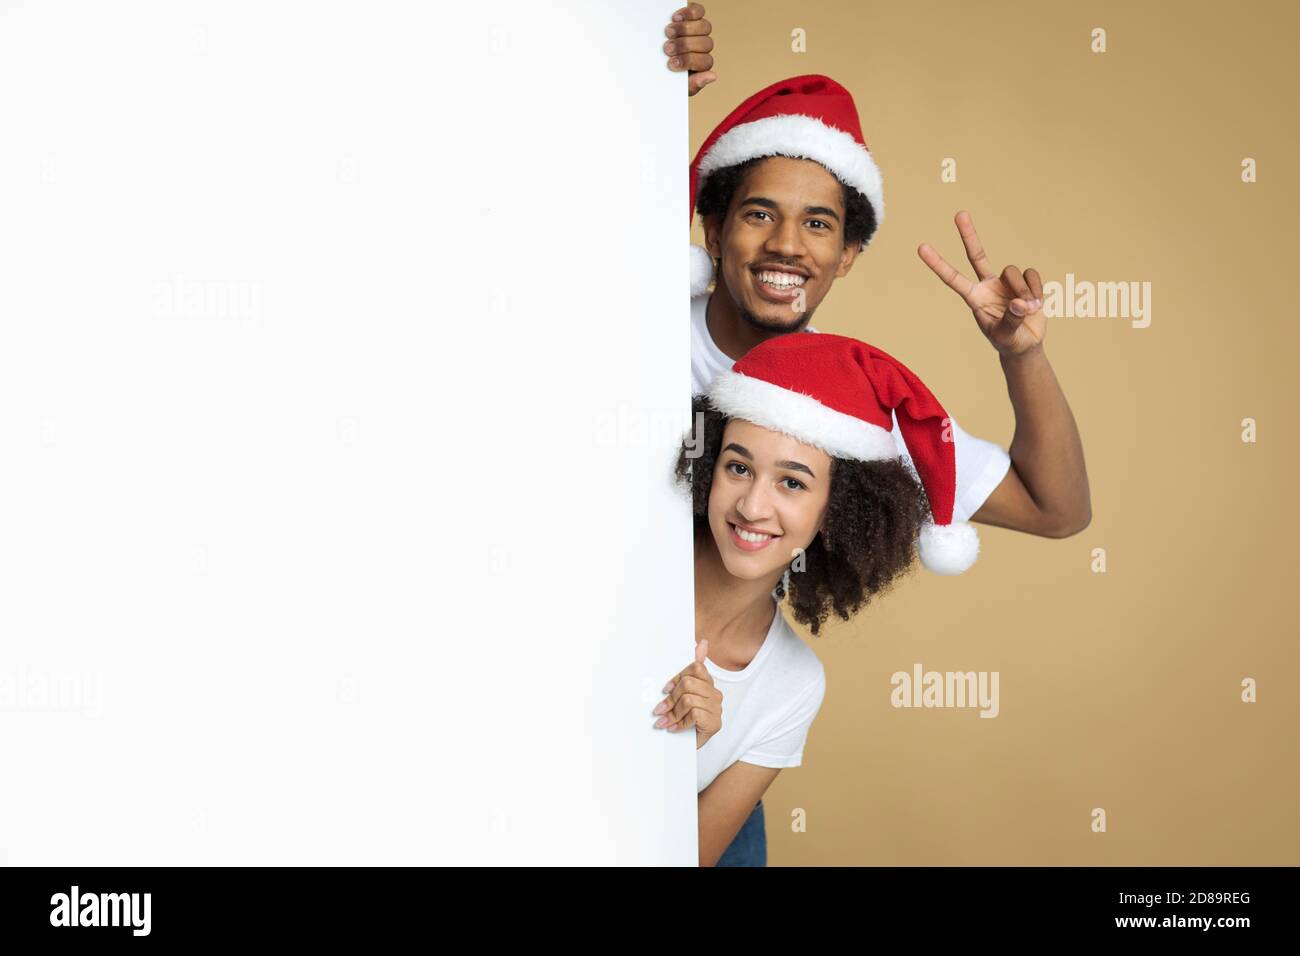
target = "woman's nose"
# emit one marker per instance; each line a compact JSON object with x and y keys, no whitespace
{"x":754,"y":505}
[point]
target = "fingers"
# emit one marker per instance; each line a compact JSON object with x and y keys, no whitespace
{"x":690,"y":61}
{"x":689,"y":28}
{"x":1035,"y":283}
{"x":950,"y":276}
{"x":694,"y":669}
{"x":689,"y":47}
{"x":687,"y":687}
{"x":676,"y":707}
{"x":974,"y":248}
{"x":698,"y":81}
{"x":1025,"y":302}
{"x":694,"y":682}
{"x":683,"y":713}
{"x":1014,"y":281}
{"x":688,"y":684}
{"x":694,"y":710}
{"x":692,"y":11}
{"x":687,"y":690}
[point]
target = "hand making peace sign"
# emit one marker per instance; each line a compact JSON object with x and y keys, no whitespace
{"x":1008,"y":307}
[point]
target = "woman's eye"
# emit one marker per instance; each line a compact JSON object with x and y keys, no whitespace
{"x":798,"y":485}
{"x":735,"y":464}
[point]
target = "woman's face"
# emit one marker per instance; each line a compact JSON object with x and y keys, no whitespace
{"x":768,"y":498}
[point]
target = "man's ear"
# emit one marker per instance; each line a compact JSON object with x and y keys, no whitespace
{"x":712,"y":235}
{"x":847,"y":258}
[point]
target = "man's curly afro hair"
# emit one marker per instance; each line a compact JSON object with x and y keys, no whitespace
{"x":714,"y":198}
{"x":873,"y":516}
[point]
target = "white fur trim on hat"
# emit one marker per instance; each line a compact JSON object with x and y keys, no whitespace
{"x":800,"y":416}
{"x":802,"y":137}
{"x":701,"y":270}
{"x":948,"y":548}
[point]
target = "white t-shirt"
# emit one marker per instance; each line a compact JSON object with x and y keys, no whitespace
{"x":767,"y":707}
{"x":981,"y":464}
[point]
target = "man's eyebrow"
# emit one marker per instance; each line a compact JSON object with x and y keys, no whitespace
{"x":791,"y":465}
{"x":808,"y":210}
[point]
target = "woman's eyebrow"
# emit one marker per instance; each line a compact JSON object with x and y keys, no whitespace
{"x":791,"y":465}
{"x":795,"y":466}
{"x":739,"y":450}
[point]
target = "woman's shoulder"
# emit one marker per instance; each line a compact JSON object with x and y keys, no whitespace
{"x":805,"y":666}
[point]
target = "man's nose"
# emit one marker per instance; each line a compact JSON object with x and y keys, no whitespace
{"x":786,"y":240}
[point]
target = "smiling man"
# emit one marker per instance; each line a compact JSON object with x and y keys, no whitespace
{"x":789,"y":195}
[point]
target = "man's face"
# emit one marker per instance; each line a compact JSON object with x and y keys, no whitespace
{"x":781,"y":242}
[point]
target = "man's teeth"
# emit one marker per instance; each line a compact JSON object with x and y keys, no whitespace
{"x":750,"y":535}
{"x":781,"y":280}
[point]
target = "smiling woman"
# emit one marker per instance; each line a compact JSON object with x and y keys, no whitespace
{"x":764,"y":505}
{"x":798,"y":491}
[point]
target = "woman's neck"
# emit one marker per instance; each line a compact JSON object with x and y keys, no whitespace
{"x":733,"y":614}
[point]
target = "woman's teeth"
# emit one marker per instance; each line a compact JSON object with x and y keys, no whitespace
{"x":750,"y":535}
{"x":780,"y":280}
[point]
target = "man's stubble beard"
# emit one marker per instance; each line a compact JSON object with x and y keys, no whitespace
{"x":765,"y":325}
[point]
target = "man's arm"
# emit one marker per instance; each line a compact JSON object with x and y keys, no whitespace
{"x":1045,"y":491}
{"x":726,"y":803}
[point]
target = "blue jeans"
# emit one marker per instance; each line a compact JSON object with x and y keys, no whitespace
{"x":749,"y":848}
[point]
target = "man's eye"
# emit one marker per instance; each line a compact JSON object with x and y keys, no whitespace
{"x":825,"y":225}
{"x":757,"y":212}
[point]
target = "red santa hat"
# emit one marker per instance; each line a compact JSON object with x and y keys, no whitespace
{"x":841,"y":395}
{"x":805,"y":117}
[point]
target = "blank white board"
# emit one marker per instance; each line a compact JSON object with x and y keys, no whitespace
{"x":343,"y":352}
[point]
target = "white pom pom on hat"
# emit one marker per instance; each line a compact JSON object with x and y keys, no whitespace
{"x":948,"y":548}
{"x":701,"y":270}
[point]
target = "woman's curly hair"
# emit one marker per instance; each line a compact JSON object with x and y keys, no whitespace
{"x":715,"y":199}
{"x":873,"y":516}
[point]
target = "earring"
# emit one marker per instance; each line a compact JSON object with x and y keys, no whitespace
{"x":783,"y":586}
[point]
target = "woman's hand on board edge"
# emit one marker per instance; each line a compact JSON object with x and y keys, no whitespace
{"x":693,"y":700}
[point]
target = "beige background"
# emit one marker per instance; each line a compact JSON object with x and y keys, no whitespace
{"x":1118,"y":690}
